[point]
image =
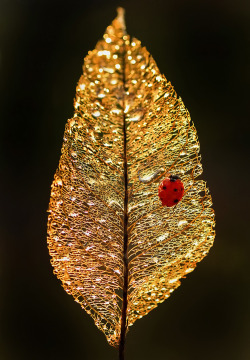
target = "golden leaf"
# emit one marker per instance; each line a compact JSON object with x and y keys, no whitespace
{"x":115,"y":248}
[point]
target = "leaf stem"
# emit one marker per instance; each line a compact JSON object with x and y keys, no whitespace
{"x":125,"y":249}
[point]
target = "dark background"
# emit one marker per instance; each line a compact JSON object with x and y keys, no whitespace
{"x":203,"y":49}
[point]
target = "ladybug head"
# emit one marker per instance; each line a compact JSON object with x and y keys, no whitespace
{"x":173,"y":178}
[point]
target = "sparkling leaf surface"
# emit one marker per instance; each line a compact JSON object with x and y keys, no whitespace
{"x":128,"y":132}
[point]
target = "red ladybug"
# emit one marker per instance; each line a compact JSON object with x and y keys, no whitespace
{"x":171,"y":190}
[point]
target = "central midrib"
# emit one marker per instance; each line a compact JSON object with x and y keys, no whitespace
{"x":125,"y":238}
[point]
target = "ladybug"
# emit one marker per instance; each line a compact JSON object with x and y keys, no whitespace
{"x":171,"y":190}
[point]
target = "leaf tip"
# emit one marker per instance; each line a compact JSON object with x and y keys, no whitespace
{"x":121,"y":17}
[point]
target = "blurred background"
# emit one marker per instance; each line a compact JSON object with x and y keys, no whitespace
{"x":203,"y":49}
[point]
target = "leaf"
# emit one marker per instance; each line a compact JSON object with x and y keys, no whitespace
{"x":115,"y":248}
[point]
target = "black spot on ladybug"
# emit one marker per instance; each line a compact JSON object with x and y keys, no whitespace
{"x":176,"y":201}
{"x":164,"y":187}
{"x":175,"y":189}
